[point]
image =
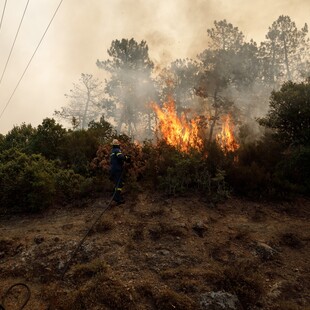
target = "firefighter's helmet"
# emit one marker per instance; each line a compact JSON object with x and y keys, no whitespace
{"x":115,"y":142}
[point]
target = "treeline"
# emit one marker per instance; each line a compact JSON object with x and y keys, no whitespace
{"x":230,"y":76}
{"x":49,"y":164}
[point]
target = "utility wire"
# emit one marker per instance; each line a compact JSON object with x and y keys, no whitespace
{"x":31,"y":58}
{"x":3,"y":13}
{"x":7,"y":61}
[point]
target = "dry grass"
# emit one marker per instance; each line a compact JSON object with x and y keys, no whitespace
{"x":166,"y":230}
{"x":170,"y":300}
{"x":102,"y":227}
{"x":102,"y":292}
{"x":157,"y":261}
{"x":243,"y":280}
{"x":82,"y":272}
{"x":292,"y":240}
{"x":164,"y":298}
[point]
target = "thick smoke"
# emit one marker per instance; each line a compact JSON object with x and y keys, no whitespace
{"x":82,"y":32}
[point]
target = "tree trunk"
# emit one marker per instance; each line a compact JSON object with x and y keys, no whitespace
{"x":149,"y":126}
{"x":85,"y":111}
{"x":286,"y":61}
{"x":214,"y":117}
{"x":273,"y":63}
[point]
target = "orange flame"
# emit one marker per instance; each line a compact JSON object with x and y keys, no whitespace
{"x":226,"y":137}
{"x":178,"y":132}
{"x":185,"y":135}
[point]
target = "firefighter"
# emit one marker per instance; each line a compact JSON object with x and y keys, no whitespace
{"x":117,"y":159}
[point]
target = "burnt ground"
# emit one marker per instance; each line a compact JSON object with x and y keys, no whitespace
{"x":157,"y":253}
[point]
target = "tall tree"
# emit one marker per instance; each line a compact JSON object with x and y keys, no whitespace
{"x":289,"y":114}
{"x":223,"y":65}
{"x":179,"y":81}
{"x":224,"y":36}
{"x":214,"y":79}
{"x":85,"y":102}
{"x":130,"y":85}
{"x":284,"y":50}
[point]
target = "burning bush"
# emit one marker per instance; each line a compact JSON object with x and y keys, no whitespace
{"x":165,"y":167}
{"x":189,"y":133}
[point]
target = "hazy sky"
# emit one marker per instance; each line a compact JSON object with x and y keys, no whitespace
{"x":83,"y":30}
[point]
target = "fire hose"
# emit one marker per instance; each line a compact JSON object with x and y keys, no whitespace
{"x":10,"y":291}
{"x":90,"y":229}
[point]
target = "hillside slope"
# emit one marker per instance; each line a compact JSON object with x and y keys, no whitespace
{"x":157,"y":253}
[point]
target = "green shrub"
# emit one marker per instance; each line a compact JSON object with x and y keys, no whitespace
{"x":289,"y":114}
{"x":31,"y":183}
{"x":68,"y":185}
{"x":184,"y":173}
{"x":47,"y":139}
{"x":294,"y":170}
{"x":216,"y":159}
{"x":78,"y":149}
{"x":264,"y":169}
{"x":19,"y":137}
{"x":175,"y":172}
{"x":103,"y":130}
{"x":251,"y":181}
{"x":26,"y":182}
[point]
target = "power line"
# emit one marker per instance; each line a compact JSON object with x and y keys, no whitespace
{"x":7,"y":61}
{"x":3,"y":13}
{"x":31,"y":58}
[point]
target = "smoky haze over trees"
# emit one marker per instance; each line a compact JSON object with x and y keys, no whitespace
{"x":285,"y":50}
{"x":230,"y":76}
{"x":84,"y":102}
{"x":130,"y":86}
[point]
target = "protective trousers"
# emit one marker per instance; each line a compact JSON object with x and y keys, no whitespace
{"x":117,"y":179}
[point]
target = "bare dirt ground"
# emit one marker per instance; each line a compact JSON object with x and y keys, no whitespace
{"x":158,"y":253}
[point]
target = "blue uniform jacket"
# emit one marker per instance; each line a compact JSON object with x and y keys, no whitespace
{"x":117,"y":160}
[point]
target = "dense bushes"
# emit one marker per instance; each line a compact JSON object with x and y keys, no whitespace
{"x":294,"y":170}
{"x":278,"y":164}
{"x":47,"y":139}
{"x":47,"y":164}
{"x":19,"y":137}
{"x":78,"y":150}
{"x":32,"y":183}
{"x":175,"y":172}
{"x":26,"y":182}
{"x":266,"y":169}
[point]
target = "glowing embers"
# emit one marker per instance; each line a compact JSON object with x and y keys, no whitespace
{"x":178,"y":131}
{"x":226,"y":137}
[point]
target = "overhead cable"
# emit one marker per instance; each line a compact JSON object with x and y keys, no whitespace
{"x":8,"y":102}
{"x":7,"y":61}
{"x":3,"y":13}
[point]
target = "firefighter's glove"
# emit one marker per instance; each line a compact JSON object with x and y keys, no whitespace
{"x":128,"y":159}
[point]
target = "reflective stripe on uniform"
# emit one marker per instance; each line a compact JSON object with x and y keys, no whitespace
{"x":118,"y":154}
{"x":119,"y":189}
